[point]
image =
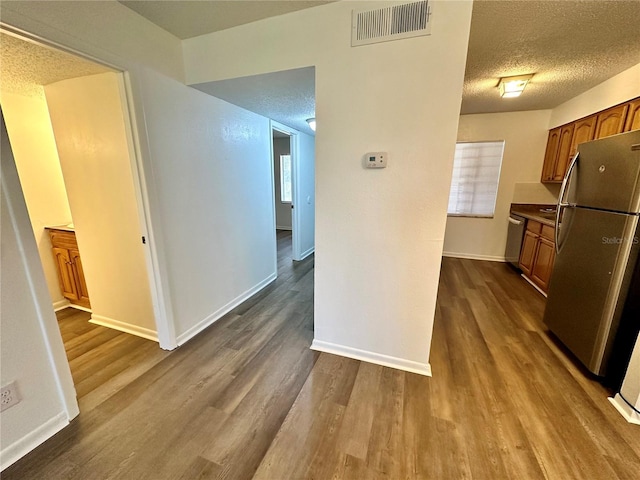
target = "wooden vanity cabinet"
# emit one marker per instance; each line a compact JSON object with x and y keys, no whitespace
{"x":538,"y":254}
{"x":69,"y":266}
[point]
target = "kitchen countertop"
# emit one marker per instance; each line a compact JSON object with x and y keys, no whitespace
{"x":67,"y":228}
{"x":532,"y":212}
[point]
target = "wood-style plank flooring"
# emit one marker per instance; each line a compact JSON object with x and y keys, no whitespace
{"x":248,"y":399}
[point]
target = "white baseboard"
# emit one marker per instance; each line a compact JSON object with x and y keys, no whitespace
{"x":212,"y":318}
{"x":18,"y":449}
{"x":306,"y":253}
{"x":61,"y":305}
{"x":625,"y":410}
{"x":124,"y":327}
{"x":372,"y":357}
{"x":533,"y":284}
{"x":79,"y":307}
{"x":284,"y":228}
{"x":471,"y":256}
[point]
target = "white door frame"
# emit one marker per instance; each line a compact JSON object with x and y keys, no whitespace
{"x":161,"y":302}
{"x":295,"y":194}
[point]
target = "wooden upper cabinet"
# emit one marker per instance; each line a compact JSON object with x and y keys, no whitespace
{"x":564,"y":152}
{"x":611,"y":121}
{"x":633,"y":116}
{"x":550,"y":155}
{"x":582,"y":132}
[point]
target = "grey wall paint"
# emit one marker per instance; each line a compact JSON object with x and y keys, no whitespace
{"x":281,"y":146}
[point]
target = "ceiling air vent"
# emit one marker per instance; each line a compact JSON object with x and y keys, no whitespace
{"x":390,"y":23}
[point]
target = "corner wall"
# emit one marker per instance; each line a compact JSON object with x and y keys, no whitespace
{"x":525,"y":135}
{"x":379,"y":233}
{"x":212,"y":169}
{"x":36,"y":156}
{"x":31,"y":350}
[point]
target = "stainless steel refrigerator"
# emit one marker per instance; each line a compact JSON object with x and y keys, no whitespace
{"x":592,"y":304}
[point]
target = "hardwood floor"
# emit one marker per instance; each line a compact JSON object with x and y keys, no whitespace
{"x":248,"y":399}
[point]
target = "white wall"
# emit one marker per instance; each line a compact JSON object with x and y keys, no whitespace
{"x":379,"y":234}
{"x":617,"y":89}
{"x":27,"y":319}
{"x":281,"y":146}
{"x":212,"y":169}
{"x":34,"y":147}
{"x":88,"y":124}
{"x":525,"y":135}
{"x":305,"y":185}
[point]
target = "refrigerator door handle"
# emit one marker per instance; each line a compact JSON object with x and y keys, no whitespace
{"x":561,"y":200}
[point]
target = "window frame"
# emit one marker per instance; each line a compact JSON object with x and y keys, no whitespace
{"x":282,"y":180}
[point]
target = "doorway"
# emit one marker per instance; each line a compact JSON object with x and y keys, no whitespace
{"x":283,"y":194}
{"x":67,"y":122}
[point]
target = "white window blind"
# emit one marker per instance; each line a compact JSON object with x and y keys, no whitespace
{"x":476,"y":172}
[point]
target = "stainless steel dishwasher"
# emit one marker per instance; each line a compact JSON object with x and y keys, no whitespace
{"x":514,"y":239}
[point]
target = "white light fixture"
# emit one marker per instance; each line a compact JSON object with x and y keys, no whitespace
{"x":312,"y":123}
{"x":511,"y":87}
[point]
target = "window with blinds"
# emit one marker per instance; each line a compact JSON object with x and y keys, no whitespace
{"x":476,"y":172}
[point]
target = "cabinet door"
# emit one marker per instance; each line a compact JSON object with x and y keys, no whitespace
{"x":633,"y":116}
{"x":65,"y":273}
{"x":81,"y":285}
{"x":550,"y":155}
{"x":611,"y":121}
{"x":543,"y":263}
{"x":528,"y":252}
{"x":564,"y":152}
{"x":582,"y":132}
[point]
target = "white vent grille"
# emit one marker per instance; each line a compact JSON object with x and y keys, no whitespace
{"x":390,"y":23}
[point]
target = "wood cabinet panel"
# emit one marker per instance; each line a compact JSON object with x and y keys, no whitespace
{"x":550,"y":155}
{"x":81,"y":285}
{"x":69,"y":266}
{"x":633,"y":116}
{"x":564,"y":152}
{"x":528,"y":252}
{"x":548,"y":232}
{"x":538,"y":253}
{"x":583,"y":131}
{"x":543,"y":263}
{"x":611,"y":121}
{"x":65,"y":273}
{"x":563,"y":141}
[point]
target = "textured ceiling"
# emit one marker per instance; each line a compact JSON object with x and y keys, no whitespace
{"x":25,"y":66}
{"x":188,"y":18}
{"x":570,"y":46}
{"x":287,"y":97}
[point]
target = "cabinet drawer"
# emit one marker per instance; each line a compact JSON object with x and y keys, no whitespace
{"x":533,"y":226}
{"x":548,"y":232}
{"x":63,"y":239}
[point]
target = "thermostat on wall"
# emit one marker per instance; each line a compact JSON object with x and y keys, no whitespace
{"x":375,"y":160}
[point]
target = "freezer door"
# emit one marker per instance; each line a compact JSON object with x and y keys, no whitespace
{"x":587,"y":289}
{"x":607,"y":174}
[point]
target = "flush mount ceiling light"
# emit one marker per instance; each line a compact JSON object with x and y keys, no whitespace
{"x":312,"y":123}
{"x":510,"y":87}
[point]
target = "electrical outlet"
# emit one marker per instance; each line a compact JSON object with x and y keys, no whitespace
{"x":9,"y":396}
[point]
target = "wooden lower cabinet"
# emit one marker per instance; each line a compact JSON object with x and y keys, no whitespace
{"x":69,"y":266}
{"x":543,"y":263}
{"x":538,"y":254}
